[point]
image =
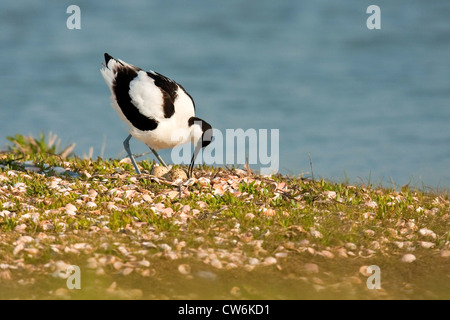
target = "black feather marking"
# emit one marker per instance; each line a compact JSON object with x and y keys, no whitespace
{"x":169,"y":91}
{"x":107,"y":58}
{"x":121,"y":88}
{"x":206,"y":130}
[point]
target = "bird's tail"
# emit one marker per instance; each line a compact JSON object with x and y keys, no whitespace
{"x":107,"y":58}
{"x":112,"y":66}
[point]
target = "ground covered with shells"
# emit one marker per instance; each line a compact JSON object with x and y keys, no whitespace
{"x":223,"y":234}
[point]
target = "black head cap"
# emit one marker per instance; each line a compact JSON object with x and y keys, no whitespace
{"x":206,"y":130}
{"x":205,"y":139}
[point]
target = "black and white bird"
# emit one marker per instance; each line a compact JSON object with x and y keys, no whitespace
{"x":159,"y":111}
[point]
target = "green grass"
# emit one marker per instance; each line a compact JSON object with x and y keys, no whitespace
{"x":140,"y":233}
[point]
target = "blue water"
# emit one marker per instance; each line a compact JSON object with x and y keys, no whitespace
{"x":366,"y":105}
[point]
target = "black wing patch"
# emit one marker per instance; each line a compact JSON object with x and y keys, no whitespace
{"x":121,"y":89}
{"x":169,"y":91}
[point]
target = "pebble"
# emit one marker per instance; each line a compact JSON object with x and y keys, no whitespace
{"x":62,"y":293}
{"x":231,"y":265}
{"x":445,"y":253}
{"x":146,"y":273}
{"x":149,"y":244}
{"x":216,"y":263}
{"x":235,"y":291}
{"x":165,"y":247}
{"x":134,"y":294}
{"x":112,"y":207}
{"x":91,"y":205}
{"x":184,"y":268}
{"x":249,"y":267}
{"x":369,"y":215}
{"x":70,"y":209}
{"x":6,"y":213}
{"x":269,"y":212}
{"x":318,"y":287}
{"x":207,"y":275}
{"x":127,"y":271}
{"x":316,"y":234}
{"x":18,"y":248}
{"x":25,"y":239}
{"x":375,"y":245}
{"x":20,"y":185}
{"x":364,"y":272}
{"x":317,"y":280}
{"x":129,"y":194}
{"x":11,"y":173}
{"x":173,"y":194}
{"x":426,"y":244}
{"x":218,"y":190}
{"x":47,"y":226}
{"x":342,"y":252}
{"x":303,"y":243}
{"x":269,"y":261}
{"x":8,"y":205}
{"x":427,"y":233}
{"x":327,"y":254}
{"x":330,"y":195}
{"x":172,"y":255}
{"x":118,"y":265}
{"x":144,"y":263}
{"x":5,"y":275}
{"x":92,"y":263}
{"x":82,"y":246}
{"x":249,"y":216}
{"x":354,"y":280}
{"x":311,"y":268}
{"x":204,"y":182}
{"x":408,"y":258}
{"x":21,"y":228}
{"x":371,"y":204}
{"x":281,"y":255}
{"x":147,"y":198}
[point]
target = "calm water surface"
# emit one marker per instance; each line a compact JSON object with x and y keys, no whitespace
{"x":365,"y":104}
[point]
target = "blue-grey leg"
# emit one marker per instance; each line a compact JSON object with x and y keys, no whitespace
{"x":126,"y":144}
{"x":159,"y":158}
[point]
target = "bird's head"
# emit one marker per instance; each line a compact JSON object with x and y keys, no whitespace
{"x":201,"y":136}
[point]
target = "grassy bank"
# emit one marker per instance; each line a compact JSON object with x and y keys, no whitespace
{"x":225,"y":234}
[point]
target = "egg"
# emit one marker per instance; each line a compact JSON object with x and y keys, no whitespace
{"x":175,"y":174}
{"x":159,"y":171}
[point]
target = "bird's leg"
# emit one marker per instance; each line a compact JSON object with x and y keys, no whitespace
{"x":159,"y":158}
{"x":126,"y":144}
